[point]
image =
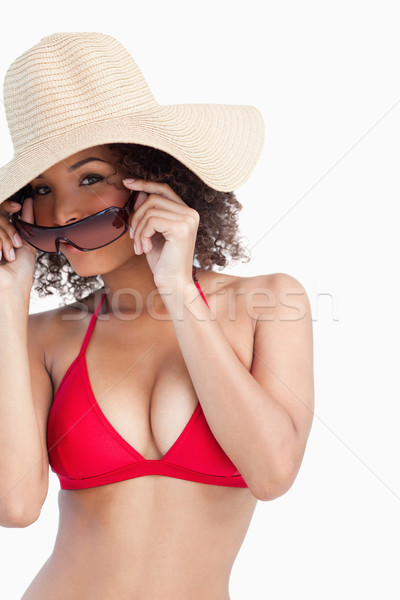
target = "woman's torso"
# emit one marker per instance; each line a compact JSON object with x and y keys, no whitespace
{"x":153,"y":536}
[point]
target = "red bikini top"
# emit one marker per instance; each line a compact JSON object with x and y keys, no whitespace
{"x":86,"y":451}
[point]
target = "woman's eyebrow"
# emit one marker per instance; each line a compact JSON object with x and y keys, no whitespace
{"x":77,"y":165}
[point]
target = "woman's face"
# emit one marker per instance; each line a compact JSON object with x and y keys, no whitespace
{"x":79,"y":186}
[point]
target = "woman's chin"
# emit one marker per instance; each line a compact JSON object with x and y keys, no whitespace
{"x":89,"y":264}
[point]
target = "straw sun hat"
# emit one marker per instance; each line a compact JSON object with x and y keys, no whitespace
{"x":72,"y":91}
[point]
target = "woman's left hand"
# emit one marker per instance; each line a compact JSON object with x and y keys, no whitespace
{"x":165,"y":228}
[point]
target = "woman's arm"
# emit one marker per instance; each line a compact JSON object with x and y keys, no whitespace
{"x":23,"y":455}
{"x":261,"y":419}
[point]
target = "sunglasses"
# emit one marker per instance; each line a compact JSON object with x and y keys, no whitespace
{"x":95,"y":231}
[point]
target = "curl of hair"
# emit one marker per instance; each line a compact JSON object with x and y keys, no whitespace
{"x":218,"y":241}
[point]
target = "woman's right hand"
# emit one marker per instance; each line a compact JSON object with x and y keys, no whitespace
{"x":16,"y":273}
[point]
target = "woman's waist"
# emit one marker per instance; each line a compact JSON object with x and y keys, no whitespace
{"x":148,"y":541}
{"x":154,"y":523}
{"x":87,"y":576}
{"x":121,"y":564}
{"x":134,"y":529}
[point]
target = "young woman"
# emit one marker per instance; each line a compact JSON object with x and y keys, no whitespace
{"x":167,"y":399}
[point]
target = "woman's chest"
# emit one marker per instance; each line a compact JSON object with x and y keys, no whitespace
{"x":137,"y":377}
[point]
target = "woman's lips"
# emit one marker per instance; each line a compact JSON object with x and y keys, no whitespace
{"x":70,"y":249}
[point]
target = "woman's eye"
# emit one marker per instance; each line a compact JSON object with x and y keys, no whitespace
{"x":37,"y":190}
{"x":95,"y":177}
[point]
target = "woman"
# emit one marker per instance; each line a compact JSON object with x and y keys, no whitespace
{"x":168,"y":400}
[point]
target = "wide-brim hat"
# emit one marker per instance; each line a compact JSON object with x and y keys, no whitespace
{"x":72,"y":91}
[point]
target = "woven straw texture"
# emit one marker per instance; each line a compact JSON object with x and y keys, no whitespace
{"x":72,"y":91}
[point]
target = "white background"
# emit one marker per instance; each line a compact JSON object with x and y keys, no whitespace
{"x":320,"y":206}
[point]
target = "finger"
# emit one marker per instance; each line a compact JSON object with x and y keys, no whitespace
{"x":8,"y":207}
{"x":151,"y":213}
{"x":151,"y":187}
{"x":10,"y":236}
{"x":170,"y":229}
{"x":6,"y":245}
{"x":159,"y":202}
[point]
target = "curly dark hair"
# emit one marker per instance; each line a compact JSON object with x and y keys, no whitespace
{"x":217,"y":235}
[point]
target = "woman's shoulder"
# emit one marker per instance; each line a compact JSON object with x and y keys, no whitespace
{"x":206,"y":273}
{"x":48,"y":325}
{"x":214,"y":281}
{"x":257,"y":295}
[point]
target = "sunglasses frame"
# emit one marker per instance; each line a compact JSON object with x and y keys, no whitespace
{"x":16,"y":220}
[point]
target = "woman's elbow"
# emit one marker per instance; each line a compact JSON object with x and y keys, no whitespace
{"x":18,"y":517}
{"x":270,"y":488}
{"x":271,"y":491}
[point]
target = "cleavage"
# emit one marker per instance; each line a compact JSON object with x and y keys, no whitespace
{"x":143,"y":388}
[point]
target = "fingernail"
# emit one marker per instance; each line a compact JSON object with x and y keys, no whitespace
{"x":135,"y":247}
{"x":131,"y":233}
{"x":17,"y":240}
{"x":12,"y":254}
{"x":130,"y":180}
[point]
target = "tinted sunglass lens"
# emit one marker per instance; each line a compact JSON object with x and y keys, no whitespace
{"x":99,"y":231}
{"x":94,"y":232}
{"x":39,"y":238}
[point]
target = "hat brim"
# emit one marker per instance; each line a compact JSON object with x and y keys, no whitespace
{"x":220,"y":143}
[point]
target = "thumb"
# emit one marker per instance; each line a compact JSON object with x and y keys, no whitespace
{"x":27,"y":210}
{"x":28,"y":216}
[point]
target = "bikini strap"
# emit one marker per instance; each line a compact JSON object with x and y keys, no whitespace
{"x":198,"y":285}
{"x":95,"y":314}
{"x":91,"y":325}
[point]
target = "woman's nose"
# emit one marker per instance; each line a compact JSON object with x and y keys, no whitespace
{"x":67,"y":210}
